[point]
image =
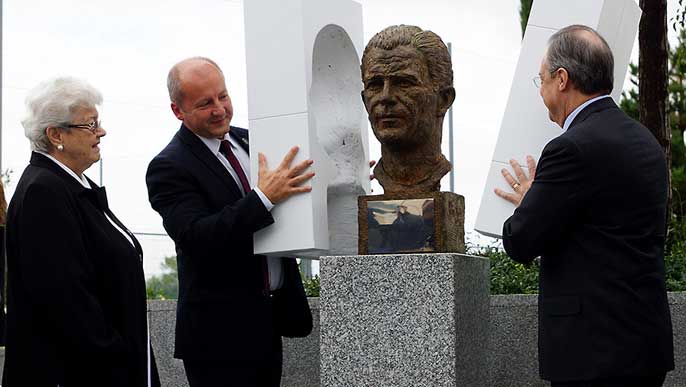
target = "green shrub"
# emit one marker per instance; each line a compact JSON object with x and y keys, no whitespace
{"x":675,"y":256}
{"x":678,"y":193}
{"x":166,"y":285}
{"x":311,"y":286}
{"x":508,"y":276}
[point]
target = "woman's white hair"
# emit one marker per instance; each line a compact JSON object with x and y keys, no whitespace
{"x":53,"y":103}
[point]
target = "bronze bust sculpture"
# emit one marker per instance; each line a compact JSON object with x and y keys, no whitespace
{"x":408,"y":88}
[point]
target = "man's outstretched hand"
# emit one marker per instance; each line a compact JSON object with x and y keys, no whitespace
{"x":285,"y":181}
{"x":521,"y":184}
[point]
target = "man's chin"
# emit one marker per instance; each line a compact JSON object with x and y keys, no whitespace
{"x":397,"y":142}
{"x":220,"y":128}
{"x":390,"y":134}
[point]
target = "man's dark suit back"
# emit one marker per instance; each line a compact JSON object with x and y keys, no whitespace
{"x":223,"y":310}
{"x":596,"y":213}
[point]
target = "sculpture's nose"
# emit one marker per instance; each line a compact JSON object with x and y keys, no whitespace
{"x":386,"y":96}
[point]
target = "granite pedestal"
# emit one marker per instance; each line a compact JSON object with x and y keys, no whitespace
{"x":404,"y":320}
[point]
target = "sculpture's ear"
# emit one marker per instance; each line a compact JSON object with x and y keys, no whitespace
{"x":445,"y":99}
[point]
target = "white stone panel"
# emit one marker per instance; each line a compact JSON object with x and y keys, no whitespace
{"x":526,"y":128}
{"x":557,"y":14}
{"x":304,"y":83}
{"x":275,"y":59}
{"x":303,"y":233}
{"x":489,"y":215}
{"x":525,"y":122}
{"x":623,"y":43}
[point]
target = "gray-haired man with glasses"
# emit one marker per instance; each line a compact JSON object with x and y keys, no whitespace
{"x":594,"y":210}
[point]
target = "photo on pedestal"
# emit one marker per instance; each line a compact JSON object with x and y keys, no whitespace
{"x":401,"y":226}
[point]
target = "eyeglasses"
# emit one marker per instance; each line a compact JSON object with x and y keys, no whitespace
{"x":538,"y":81}
{"x":92,"y":126}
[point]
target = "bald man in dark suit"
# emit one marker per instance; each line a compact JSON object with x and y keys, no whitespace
{"x":233,"y":306}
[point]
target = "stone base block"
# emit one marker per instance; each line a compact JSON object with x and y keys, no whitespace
{"x":404,"y":320}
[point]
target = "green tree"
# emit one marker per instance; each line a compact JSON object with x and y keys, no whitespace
{"x":524,"y":11}
{"x":679,"y":20}
{"x":629,"y":100}
{"x":676,"y":114}
{"x":166,"y":285}
{"x":675,"y":246}
{"x":653,"y":64}
{"x":677,"y":118}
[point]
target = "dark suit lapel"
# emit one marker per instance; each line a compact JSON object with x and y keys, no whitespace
{"x":240,"y":135}
{"x":200,"y":150}
{"x":601,"y":104}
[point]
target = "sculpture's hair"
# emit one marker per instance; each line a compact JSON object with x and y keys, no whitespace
{"x":427,"y":43}
{"x":174,"y":80}
{"x":53,"y":103}
{"x":588,"y":61}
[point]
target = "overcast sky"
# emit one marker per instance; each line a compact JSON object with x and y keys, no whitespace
{"x":125,"y":48}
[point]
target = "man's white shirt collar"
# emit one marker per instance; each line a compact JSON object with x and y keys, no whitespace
{"x":215,"y":143}
{"x":571,"y":117}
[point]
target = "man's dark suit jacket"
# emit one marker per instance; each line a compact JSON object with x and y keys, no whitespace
{"x":77,"y":312}
{"x":595,"y":213}
{"x":223,"y":312}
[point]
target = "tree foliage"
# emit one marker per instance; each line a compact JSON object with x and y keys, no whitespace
{"x":676,"y":114}
{"x":166,"y":285}
{"x":653,"y":61}
{"x":524,"y":11}
{"x":679,"y":20}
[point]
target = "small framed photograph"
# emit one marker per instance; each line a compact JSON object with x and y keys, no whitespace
{"x":400,"y":226}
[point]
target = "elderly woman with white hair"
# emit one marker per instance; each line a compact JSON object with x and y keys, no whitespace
{"x":77,"y":312}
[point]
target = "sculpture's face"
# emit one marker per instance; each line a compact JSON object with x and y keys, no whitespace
{"x":399,"y":97}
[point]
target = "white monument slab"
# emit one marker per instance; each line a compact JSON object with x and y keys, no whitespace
{"x":525,"y":127}
{"x":304,"y":83}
